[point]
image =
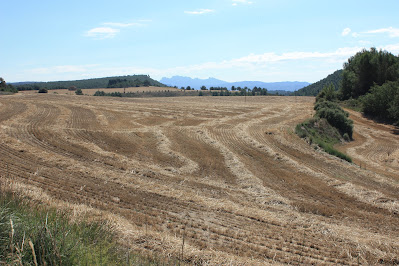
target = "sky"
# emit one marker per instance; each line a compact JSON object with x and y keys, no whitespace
{"x":232,"y":40}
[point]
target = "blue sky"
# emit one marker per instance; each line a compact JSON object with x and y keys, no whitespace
{"x":232,"y":40}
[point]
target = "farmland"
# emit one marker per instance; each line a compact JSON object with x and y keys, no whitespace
{"x":226,"y":175}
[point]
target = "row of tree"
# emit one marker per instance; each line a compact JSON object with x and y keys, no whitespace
{"x":125,"y":83}
{"x":7,"y":87}
{"x":254,"y":91}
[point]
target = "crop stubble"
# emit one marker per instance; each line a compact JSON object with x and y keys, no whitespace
{"x":231,"y":175}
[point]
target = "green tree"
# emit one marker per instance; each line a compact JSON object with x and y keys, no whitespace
{"x":381,"y":101}
{"x":203,"y":88}
{"x":146,"y":83}
{"x":3,"y":83}
{"x":79,"y":92}
{"x":327,"y":93}
{"x":367,"y":68}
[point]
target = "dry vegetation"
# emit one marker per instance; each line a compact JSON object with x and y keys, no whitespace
{"x":231,"y":176}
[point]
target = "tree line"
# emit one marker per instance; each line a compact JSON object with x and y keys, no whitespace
{"x":4,"y":87}
{"x":221,"y":91}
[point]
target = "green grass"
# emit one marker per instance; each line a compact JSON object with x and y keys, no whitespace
{"x":320,"y":132}
{"x":31,"y":234}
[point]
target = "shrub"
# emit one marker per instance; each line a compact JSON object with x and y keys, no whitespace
{"x":327,"y":93}
{"x":335,"y":115}
{"x":78,"y":92}
{"x":42,"y":90}
{"x":99,"y":93}
{"x":380,"y":102}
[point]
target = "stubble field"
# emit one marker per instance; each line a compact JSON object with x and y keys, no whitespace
{"x":228,"y":176}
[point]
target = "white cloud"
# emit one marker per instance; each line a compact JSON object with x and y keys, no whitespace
{"x":355,"y":35}
{"x":346,"y":31}
{"x":392,"y":32}
{"x":235,"y":2}
{"x":110,"y":29}
{"x":121,"y":25}
{"x":299,"y":65}
{"x":102,"y":32}
{"x":200,"y":12}
{"x":365,"y":43}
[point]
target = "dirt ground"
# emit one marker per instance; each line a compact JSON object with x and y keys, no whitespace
{"x":229,"y":177}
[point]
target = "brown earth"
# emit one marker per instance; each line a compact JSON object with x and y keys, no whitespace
{"x":230,"y":176}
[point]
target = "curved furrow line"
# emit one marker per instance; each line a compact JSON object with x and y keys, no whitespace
{"x":164,"y":145}
{"x":315,"y":193}
{"x":9,"y":109}
{"x":245,"y":179}
{"x":364,"y":152}
{"x":320,"y":169}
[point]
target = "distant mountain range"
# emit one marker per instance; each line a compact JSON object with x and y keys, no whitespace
{"x":196,"y":83}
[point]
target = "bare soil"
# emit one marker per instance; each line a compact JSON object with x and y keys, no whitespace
{"x":228,"y":176}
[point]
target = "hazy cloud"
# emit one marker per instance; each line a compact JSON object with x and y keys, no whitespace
{"x":62,"y":69}
{"x":255,"y":66}
{"x":200,"y":12}
{"x":392,"y":32}
{"x":110,"y":29}
{"x":236,"y":2}
{"x":122,"y":25}
{"x":102,"y":32}
{"x":346,"y":31}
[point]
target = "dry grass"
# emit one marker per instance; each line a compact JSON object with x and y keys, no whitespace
{"x":231,"y":176}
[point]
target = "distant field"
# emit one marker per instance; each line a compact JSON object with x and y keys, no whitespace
{"x":108,"y":90}
{"x":226,"y":174}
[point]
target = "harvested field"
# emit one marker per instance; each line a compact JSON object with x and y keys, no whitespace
{"x":109,"y":90}
{"x":228,"y":176}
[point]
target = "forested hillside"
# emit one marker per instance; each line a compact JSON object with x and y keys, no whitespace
{"x":372,"y":78}
{"x":114,"y":82}
{"x":314,"y":89}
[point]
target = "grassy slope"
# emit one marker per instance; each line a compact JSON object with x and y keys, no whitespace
{"x":31,"y":234}
{"x":320,"y":132}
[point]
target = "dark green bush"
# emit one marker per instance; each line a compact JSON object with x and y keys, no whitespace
{"x":382,"y":101}
{"x":338,"y":119}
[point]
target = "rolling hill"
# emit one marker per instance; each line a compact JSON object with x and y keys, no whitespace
{"x":87,"y":83}
{"x":314,"y":89}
